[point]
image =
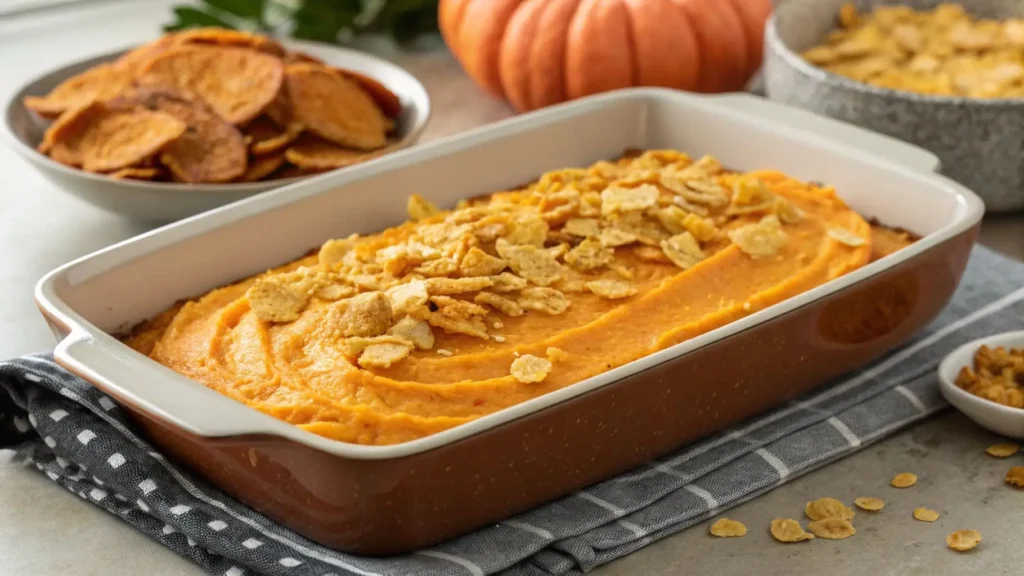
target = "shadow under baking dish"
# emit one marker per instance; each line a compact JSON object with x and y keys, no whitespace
{"x":392,"y":499}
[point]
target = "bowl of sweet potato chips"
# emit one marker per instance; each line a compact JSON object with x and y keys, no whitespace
{"x":204,"y":117}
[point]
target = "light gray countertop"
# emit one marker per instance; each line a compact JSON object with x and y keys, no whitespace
{"x":44,"y":530}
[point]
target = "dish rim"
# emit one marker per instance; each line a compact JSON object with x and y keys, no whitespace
{"x":822,"y":76}
{"x":83,"y":333}
{"x":420,"y":101}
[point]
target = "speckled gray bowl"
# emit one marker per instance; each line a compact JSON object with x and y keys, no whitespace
{"x":980,"y":142}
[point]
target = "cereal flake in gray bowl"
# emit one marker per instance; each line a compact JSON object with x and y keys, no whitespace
{"x":979,"y":141}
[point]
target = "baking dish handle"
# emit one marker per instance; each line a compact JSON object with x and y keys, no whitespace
{"x":872,"y":142}
{"x":155,"y":390}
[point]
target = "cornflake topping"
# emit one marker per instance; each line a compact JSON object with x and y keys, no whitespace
{"x":273,"y":301}
{"x":529,"y":368}
{"x":845,"y":237}
{"x":683,"y":250}
{"x":611,"y":289}
{"x":618,"y":200}
{"x":765,"y":238}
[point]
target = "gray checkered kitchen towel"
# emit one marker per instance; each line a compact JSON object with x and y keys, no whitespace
{"x":80,"y":439}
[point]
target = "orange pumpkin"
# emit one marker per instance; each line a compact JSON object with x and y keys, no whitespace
{"x":535,"y":53}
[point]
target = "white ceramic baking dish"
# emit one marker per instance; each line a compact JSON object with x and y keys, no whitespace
{"x":108,"y":292}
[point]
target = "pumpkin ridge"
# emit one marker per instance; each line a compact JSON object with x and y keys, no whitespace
{"x":450,"y":13}
{"x":594,"y":59}
{"x":549,"y":72}
{"x":660,"y":27}
{"x":480,"y":33}
{"x":514,"y":56}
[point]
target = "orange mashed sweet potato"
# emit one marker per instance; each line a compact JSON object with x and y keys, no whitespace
{"x":457,"y":314}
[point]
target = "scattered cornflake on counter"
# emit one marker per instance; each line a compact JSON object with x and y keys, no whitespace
{"x":925,"y":515}
{"x":870,"y":504}
{"x":963,"y":540}
{"x":903,"y":480}
{"x":789,"y":530}
{"x":832,"y":528}
{"x":823,"y":508}
{"x":530,"y":368}
{"x":727,"y":528}
{"x":1002,"y":450}
{"x":1015,"y":476}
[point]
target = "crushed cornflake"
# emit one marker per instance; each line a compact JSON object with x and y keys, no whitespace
{"x":787,"y":212}
{"x":703,"y":230}
{"x":365,"y":315}
{"x":590,"y":254}
{"x":583,"y":227}
{"x":457,"y":308}
{"x":845,"y":237}
{"x":726,"y":528}
{"x":869,"y":503}
{"x":997,"y":376}
{"x":420,"y":208}
{"x":832,"y":528}
{"x":408,"y":297}
{"x":963,"y":540}
{"x":703,"y":192}
{"x":448,"y":286}
{"x":470,"y":326}
{"x":612,"y":237}
{"x":749,"y":195}
{"x":415,"y":331}
{"x":671,"y":218}
{"x":764,"y":238}
{"x":1015,"y":476}
{"x":333,"y":251}
{"x":903,"y":480}
{"x":651,"y":254}
{"x":547,"y":300}
{"x":498,"y":338}
{"x":507,"y":282}
{"x":925,"y":515}
{"x":527,"y":229}
{"x":497,"y":324}
{"x":503,"y":304}
{"x":823,"y":508}
{"x":476,"y":262}
{"x":1004,"y":450}
{"x":617,"y":200}
{"x":683,"y":250}
{"x":444,"y":352}
{"x":612,"y":289}
{"x":529,"y":368}
{"x":383,"y":355}
{"x":530,"y":262}
{"x":622,"y":270}
{"x":334,"y":291}
{"x":437,"y":268}
{"x":356,"y":345}
{"x":273,"y":301}
{"x":789,"y":530}
{"x":556,"y":354}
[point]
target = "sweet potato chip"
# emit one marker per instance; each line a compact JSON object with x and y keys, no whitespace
{"x":98,"y":83}
{"x":137,"y":58}
{"x":210,"y":150}
{"x":312,"y":153}
{"x":228,"y":37}
{"x":386,"y":100}
{"x":61,"y":138}
{"x":237,"y":83}
{"x":135,"y":173}
{"x":280,"y":110}
{"x":266,"y":137}
{"x":262,"y":166}
{"x":334,"y":107}
{"x":108,"y":138}
{"x":299,"y":57}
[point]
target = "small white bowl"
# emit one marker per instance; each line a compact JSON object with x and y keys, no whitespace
{"x":1002,"y":420}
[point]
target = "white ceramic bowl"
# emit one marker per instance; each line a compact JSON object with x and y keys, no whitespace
{"x":1000,"y":419}
{"x":168,"y":201}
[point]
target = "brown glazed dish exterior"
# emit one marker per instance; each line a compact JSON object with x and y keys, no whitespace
{"x":391,"y":506}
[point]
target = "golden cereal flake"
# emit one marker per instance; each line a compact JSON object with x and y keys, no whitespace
{"x":405,"y":298}
{"x":506,"y":306}
{"x":845,"y":237}
{"x":476,"y":262}
{"x":334,"y":291}
{"x":789,"y":530}
{"x":672,"y":217}
{"x":787,"y":212}
{"x":559,"y":251}
{"x":365,"y":315}
{"x":683,"y":250}
{"x":356,"y":345}
{"x":1015,"y":476}
{"x":963,"y":540}
{"x":333,"y":251}
{"x":456,"y":308}
{"x":437,"y":268}
{"x":507,"y":282}
{"x":618,"y":200}
{"x":448,"y":286}
{"x":416,"y":331}
{"x":832,"y":528}
{"x":612,"y":289}
{"x":420,"y":208}
{"x":273,"y":301}
{"x":726,"y":528}
{"x":1004,"y":450}
{"x":651,"y":254}
{"x":556,"y":354}
{"x":529,"y":368}
{"x":870,"y":504}
{"x":703,"y":230}
{"x":527,"y":229}
{"x":611,"y":237}
{"x":530,"y":262}
{"x":590,"y":254}
{"x":702,"y":192}
{"x":925,"y":515}
{"x":764,"y":238}
{"x":749,"y":195}
{"x":828,"y":508}
{"x":383,"y":355}
{"x":622,"y":270}
{"x":547,"y":300}
{"x":444,"y":352}
{"x":582,"y":227}
{"x":472,"y":326}
{"x":903,"y":480}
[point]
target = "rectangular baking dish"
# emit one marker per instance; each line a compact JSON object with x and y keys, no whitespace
{"x":392,"y":499}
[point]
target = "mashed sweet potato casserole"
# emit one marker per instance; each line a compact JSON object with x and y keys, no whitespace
{"x":457,"y":314}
